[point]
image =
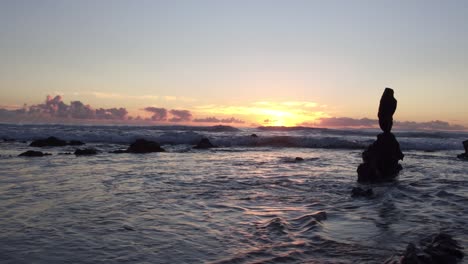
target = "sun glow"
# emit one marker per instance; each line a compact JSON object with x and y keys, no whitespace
{"x":264,"y":113}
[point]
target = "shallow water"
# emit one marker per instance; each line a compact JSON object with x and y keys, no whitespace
{"x":226,"y":205}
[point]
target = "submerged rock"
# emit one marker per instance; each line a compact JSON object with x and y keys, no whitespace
{"x":436,"y":249}
{"x":32,"y":153}
{"x":297,"y":159}
{"x":254,"y":135}
{"x":144,"y":146}
{"x":380,"y":159}
{"x":204,"y":144}
{"x":88,"y":151}
{"x":54,"y":142}
{"x":359,"y":192}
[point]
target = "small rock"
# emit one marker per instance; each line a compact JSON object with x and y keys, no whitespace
{"x":88,"y":151}
{"x":144,"y":146}
{"x":299,"y":159}
{"x":32,"y":153}
{"x":254,"y":135}
{"x":204,"y":144}
{"x":48,"y":142}
{"x":359,"y":192}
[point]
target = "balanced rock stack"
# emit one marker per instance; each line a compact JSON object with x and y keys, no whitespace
{"x":381,"y":157}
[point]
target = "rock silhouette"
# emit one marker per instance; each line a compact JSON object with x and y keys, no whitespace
{"x":54,"y":142}
{"x":380,"y":159}
{"x":436,"y":249}
{"x":144,"y":146}
{"x":387,"y":108}
{"x":204,"y":144}
{"x":32,"y":153}
{"x":464,"y":155}
{"x":83,"y":152}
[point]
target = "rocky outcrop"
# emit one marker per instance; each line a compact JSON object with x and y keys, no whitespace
{"x":204,"y":144}
{"x":436,"y":249}
{"x":464,"y":155}
{"x":85,"y":152}
{"x":380,"y":159}
{"x":32,"y":153}
{"x":144,"y":146}
{"x":54,"y":142}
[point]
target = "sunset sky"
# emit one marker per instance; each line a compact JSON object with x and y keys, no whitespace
{"x":238,"y":62}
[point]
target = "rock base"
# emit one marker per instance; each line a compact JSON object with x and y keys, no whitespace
{"x":381,"y":160}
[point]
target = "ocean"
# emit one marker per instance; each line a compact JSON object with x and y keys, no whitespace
{"x":247,"y":201}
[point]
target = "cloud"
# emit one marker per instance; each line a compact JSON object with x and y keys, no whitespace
{"x":55,"y":108}
{"x":373,"y":123}
{"x":159,"y":114}
{"x":431,"y":125}
{"x":216,"y":120}
{"x":180,"y":115}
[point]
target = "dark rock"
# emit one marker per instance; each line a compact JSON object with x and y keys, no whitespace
{"x":8,"y":140}
{"x":75,"y":143}
{"x":381,"y":157}
{"x":32,"y":153}
{"x":88,"y":151}
{"x":298,"y":159}
{"x":144,"y":146}
{"x":359,"y":192}
{"x":387,"y":108}
{"x":435,"y":249}
{"x":254,"y":135}
{"x":54,"y":142}
{"x":464,"y":155}
{"x":204,"y":144}
{"x":48,"y":142}
{"x":381,"y":160}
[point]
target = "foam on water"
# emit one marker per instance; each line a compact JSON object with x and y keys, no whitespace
{"x":226,"y":136}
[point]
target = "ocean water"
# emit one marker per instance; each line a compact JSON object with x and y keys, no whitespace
{"x":247,"y":201}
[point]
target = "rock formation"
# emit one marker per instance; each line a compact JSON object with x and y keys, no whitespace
{"x":436,"y":249}
{"x":85,"y":152}
{"x":32,"y":153}
{"x":144,"y":146}
{"x":381,"y":157}
{"x":464,"y":155}
{"x":204,"y":144}
{"x":54,"y":142}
